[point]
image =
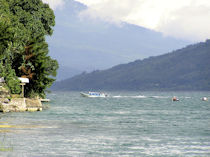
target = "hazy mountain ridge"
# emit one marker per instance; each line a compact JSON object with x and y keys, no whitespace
{"x":86,"y":44}
{"x":184,"y":69}
{"x":66,"y":72}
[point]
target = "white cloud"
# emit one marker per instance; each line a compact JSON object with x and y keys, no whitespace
{"x":186,"y":19}
{"x":54,"y":4}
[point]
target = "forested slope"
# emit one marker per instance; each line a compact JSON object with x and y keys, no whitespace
{"x":183,"y":69}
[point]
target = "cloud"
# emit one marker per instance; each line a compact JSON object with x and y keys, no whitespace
{"x":54,"y":4}
{"x":186,"y":19}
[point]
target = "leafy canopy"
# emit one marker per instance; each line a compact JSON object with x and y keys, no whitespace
{"x":23,"y":49}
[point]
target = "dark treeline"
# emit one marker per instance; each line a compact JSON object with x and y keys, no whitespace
{"x":183,"y":69}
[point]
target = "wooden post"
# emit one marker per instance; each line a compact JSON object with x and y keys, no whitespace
{"x":22,"y":93}
{"x":23,"y":83}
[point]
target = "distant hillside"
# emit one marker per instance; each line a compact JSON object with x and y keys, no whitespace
{"x":183,"y":69}
{"x":66,"y":72}
{"x":89,"y":44}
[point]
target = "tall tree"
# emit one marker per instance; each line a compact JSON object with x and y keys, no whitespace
{"x":10,"y":39}
{"x":29,"y":55}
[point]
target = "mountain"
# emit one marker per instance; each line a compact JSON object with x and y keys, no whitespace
{"x":66,"y":72}
{"x":89,"y":44}
{"x":184,"y":69}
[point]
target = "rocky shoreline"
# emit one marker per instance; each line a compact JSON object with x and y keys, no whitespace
{"x":10,"y":104}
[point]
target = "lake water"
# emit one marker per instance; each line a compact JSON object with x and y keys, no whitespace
{"x":124,"y":124}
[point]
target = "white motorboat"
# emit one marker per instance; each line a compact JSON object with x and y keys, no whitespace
{"x":204,"y":99}
{"x":94,"y":94}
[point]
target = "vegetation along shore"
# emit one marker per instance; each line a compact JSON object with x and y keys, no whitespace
{"x":24,"y":26}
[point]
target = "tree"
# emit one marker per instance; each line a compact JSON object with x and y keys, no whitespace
{"x":8,"y":43}
{"x":25,"y":49}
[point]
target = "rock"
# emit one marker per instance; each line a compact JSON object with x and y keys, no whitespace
{"x":6,"y":107}
{"x":15,"y":105}
{"x":32,"y":109}
{"x":33,"y":105}
{"x":30,"y":103}
{"x":20,"y":105}
{"x":4,"y":92}
{"x":5,"y":100}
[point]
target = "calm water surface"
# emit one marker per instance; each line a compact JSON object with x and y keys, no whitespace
{"x":124,"y":124}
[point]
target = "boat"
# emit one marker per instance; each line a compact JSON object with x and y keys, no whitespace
{"x":175,"y":99}
{"x":94,"y":94}
{"x":204,"y":99}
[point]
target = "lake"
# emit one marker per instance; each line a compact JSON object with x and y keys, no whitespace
{"x":124,"y":124}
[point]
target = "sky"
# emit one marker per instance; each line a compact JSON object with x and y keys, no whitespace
{"x":182,"y":19}
{"x":55,"y":4}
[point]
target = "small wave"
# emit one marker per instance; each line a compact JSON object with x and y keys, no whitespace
{"x":159,"y":97}
{"x":121,"y":112}
{"x":141,"y":96}
{"x":137,"y":96}
{"x":117,"y":96}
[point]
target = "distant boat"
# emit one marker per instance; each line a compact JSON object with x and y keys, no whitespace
{"x":175,"y":99}
{"x":94,"y":94}
{"x":204,"y":99}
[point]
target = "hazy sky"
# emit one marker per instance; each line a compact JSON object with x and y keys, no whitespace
{"x":185,"y":19}
{"x":54,"y":4}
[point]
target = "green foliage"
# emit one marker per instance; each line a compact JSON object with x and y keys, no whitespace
{"x":12,"y":33}
{"x":12,"y":82}
{"x":10,"y":77}
{"x":23,"y":50}
{"x":43,"y":67}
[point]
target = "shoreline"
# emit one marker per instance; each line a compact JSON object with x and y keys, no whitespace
{"x":20,"y":105}
{"x":16,"y":103}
